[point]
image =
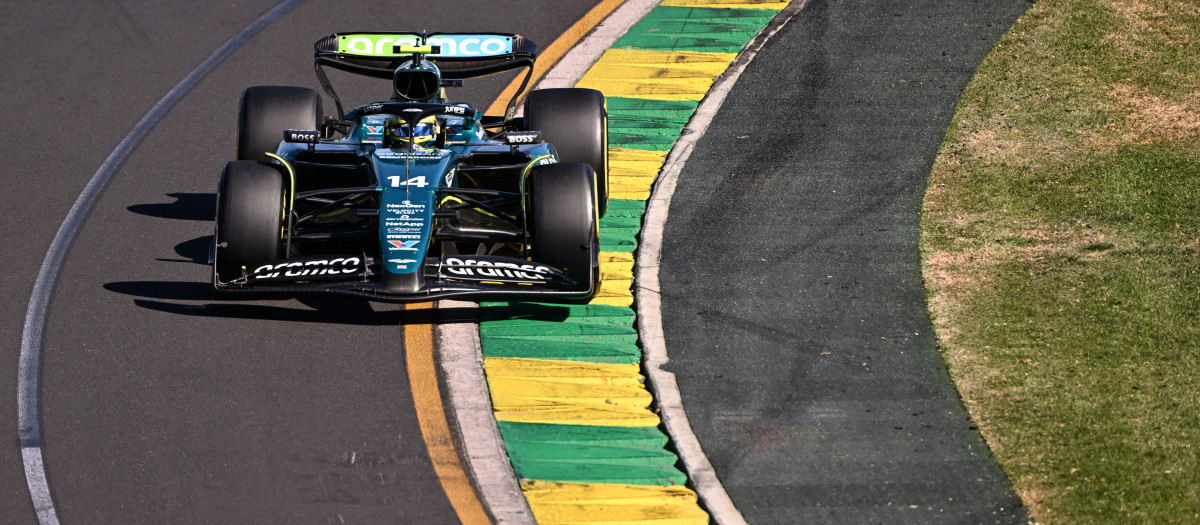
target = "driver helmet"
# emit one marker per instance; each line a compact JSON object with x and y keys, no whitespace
{"x":399,"y":134}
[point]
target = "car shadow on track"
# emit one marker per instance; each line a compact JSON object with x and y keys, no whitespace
{"x":157,"y":295}
{"x":187,"y":207}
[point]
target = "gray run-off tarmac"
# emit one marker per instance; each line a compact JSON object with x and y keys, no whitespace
{"x":793,"y":307}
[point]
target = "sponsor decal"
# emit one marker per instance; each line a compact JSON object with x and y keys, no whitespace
{"x":455,"y":110}
{"x":488,"y":270}
{"x":402,"y":261}
{"x":392,"y":154}
{"x":404,"y":245}
{"x":523,"y":137}
{"x":302,"y":135}
{"x":405,"y":209}
{"x":451,"y":45}
{"x":449,"y":180}
{"x":371,"y":108}
{"x":310,"y":268}
{"x":413,"y":235}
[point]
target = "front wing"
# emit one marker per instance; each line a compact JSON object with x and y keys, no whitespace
{"x":453,"y":277}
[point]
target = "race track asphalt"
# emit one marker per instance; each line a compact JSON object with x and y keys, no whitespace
{"x":792,"y":298}
{"x":160,"y":403}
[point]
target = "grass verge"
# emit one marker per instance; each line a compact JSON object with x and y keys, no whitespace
{"x":1061,"y":248}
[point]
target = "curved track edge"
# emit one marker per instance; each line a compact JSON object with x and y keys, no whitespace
{"x":648,"y":292}
{"x":30,"y":361}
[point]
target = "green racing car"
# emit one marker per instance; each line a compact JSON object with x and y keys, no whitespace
{"x":414,"y":198}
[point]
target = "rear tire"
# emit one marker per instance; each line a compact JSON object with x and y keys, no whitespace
{"x":563,"y":221}
{"x":250,"y":204}
{"x":268,"y":110}
{"x":575,"y":122}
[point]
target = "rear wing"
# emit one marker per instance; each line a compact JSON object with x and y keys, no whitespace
{"x":458,"y":55}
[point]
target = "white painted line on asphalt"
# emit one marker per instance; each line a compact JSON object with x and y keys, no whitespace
{"x":35,"y":479}
{"x":461,"y":360}
{"x":649,"y":300}
{"x":30,"y":361}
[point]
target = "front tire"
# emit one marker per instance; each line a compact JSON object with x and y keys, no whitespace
{"x":268,"y":110}
{"x":563,"y":221}
{"x":250,"y":206}
{"x":575,"y":121}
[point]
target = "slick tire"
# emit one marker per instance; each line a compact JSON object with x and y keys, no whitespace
{"x":575,"y":121}
{"x":563,"y":221}
{"x":268,"y":110}
{"x":250,"y":204}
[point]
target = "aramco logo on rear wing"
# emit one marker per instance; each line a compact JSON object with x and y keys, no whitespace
{"x":451,"y":45}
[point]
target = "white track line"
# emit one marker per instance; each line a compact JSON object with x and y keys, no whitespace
{"x":29,"y":365}
{"x":649,"y":301}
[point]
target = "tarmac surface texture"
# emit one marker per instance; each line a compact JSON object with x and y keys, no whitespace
{"x":793,"y":306}
{"x":160,"y":403}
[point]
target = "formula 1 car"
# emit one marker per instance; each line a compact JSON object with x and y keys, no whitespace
{"x":414,"y":198}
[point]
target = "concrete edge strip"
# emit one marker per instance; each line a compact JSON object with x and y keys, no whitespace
{"x":649,"y":302}
{"x":458,"y":345}
{"x":30,"y":360}
{"x":461,"y":358}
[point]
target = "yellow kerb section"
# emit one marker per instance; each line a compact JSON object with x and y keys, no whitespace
{"x":568,"y":392}
{"x":659,"y":75}
{"x":631,"y":172}
{"x":558,"y":503}
{"x":751,"y":4}
{"x":616,"y":287}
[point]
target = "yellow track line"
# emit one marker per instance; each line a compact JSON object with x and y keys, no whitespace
{"x":552,"y":54}
{"x":427,"y":398}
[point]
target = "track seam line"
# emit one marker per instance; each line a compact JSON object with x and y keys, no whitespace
{"x":649,"y":298}
{"x":30,"y":362}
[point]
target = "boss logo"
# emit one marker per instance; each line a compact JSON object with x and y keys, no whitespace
{"x":526,"y":137}
{"x":304,"y":136}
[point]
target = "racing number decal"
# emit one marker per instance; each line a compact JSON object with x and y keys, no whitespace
{"x":418,"y":181}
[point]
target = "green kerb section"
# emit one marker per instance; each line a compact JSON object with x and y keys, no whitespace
{"x":504,"y":327}
{"x":590,"y":454}
{"x":653,"y":125}
{"x":620,"y":226}
{"x":702,"y":29}
{"x":600,"y":333}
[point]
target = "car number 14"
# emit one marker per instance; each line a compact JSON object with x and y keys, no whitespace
{"x":418,"y":181}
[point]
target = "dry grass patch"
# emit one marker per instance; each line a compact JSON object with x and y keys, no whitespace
{"x":1062,"y":259}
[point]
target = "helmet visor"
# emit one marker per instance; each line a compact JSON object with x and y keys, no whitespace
{"x":423,"y":129}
